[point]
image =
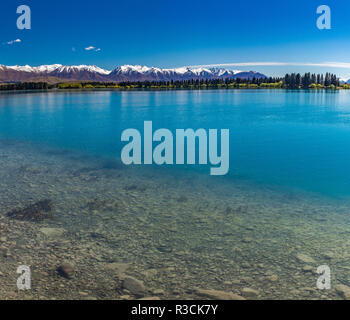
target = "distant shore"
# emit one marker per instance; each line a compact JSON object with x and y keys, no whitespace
{"x":289,"y":81}
{"x":175,"y":85}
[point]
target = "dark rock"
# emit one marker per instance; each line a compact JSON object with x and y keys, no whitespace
{"x":66,"y":270}
{"x":36,"y":212}
{"x":4,"y":252}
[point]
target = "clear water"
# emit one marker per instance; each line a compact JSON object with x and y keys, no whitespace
{"x":286,"y":138}
{"x":177,"y":228}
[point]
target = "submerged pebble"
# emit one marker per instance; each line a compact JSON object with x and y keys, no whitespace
{"x":218,"y":295}
{"x":303,"y":258}
{"x":250,"y":293}
{"x":135,"y":286}
{"x":66,"y":270}
{"x":343,"y":291}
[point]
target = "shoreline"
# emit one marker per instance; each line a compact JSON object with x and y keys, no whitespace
{"x":168,"y":89}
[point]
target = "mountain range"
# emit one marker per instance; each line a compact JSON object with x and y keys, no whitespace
{"x":58,"y":73}
{"x":344,"y":80}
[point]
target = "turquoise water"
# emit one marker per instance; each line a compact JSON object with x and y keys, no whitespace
{"x":288,"y":139}
{"x":281,"y":212}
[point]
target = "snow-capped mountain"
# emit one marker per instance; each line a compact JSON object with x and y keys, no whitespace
{"x":142,"y":73}
{"x":58,"y":68}
{"x":58,"y":72}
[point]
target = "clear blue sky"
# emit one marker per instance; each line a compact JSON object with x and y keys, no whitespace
{"x":177,"y":33}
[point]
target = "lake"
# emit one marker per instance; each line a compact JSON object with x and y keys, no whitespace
{"x":260,"y":231}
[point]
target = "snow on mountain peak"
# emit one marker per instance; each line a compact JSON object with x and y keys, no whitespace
{"x":25,"y":68}
{"x":123,"y":73}
{"x":58,"y":68}
{"x":125,"y":69}
{"x":137,"y":68}
{"x":197,"y":71}
{"x":83,"y":68}
{"x":47,"y":68}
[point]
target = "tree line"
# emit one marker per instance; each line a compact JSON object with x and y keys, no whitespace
{"x":296,"y":80}
{"x":289,"y":81}
{"x":25,"y":86}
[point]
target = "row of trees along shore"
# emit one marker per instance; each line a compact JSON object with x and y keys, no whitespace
{"x":289,"y":81}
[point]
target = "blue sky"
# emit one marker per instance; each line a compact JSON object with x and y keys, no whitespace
{"x":179,"y":33}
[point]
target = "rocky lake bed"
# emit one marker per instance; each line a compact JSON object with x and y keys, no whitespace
{"x":91,"y":228}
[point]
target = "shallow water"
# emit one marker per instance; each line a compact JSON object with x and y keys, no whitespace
{"x":177,"y":229}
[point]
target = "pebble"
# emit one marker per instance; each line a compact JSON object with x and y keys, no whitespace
{"x":308,"y":268}
{"x":250,"y":293}
{"x":136,"y":287}
{"x":272,"y":278}
{"x":303,"y":258}
{"x":218,"y":295}
{"x":150,"y":273}
{"x":118,"y":268}
{"x":53,"y":232}
{"x":66,"y":270}
{"x":328,"y":255}
{"x":159,"y":292}
{"x":343,"y":291}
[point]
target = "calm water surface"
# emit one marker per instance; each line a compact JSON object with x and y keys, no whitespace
{"x":284,"y":138}
{"x":282,"y":210}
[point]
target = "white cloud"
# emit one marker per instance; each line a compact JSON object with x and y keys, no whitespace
{"x":13,"y":41}
{"x":92,"y":48}
{"x":344,"y":65}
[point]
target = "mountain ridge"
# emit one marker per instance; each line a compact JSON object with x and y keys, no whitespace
{"x":59,"y":73}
